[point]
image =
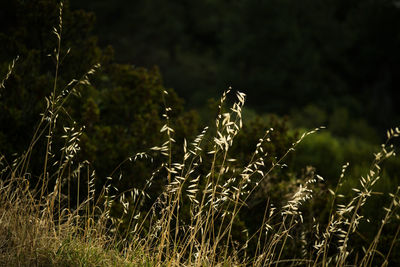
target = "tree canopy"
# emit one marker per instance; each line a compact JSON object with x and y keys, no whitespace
{"x":286,"y":54}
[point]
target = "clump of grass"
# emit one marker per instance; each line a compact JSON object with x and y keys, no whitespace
{"x":192,"y":222}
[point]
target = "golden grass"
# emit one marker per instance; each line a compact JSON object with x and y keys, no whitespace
{"x":40,"y":227}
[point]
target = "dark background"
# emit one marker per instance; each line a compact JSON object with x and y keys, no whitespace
{"x":335,"y":58}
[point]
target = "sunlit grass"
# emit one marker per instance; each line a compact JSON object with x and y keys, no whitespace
{"x":193,"y":221}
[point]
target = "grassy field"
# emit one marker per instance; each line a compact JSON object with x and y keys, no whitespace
{"x":63,"y":219}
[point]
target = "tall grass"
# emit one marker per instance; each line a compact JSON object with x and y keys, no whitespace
{"x":193,"y":221}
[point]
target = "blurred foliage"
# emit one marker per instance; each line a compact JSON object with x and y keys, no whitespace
{"x":286,"y":55}
{"x":122,"y":108}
